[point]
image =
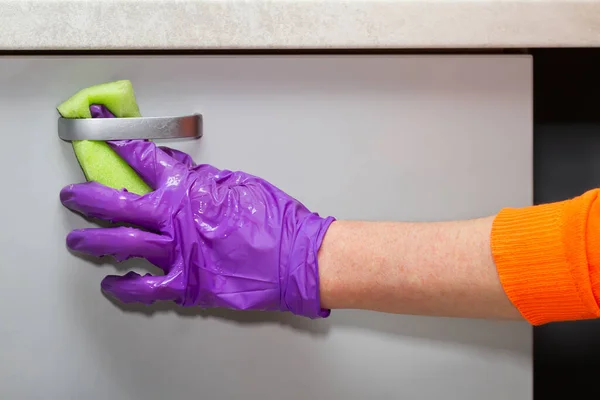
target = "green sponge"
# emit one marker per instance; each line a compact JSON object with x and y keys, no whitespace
{"x":98,"y":161}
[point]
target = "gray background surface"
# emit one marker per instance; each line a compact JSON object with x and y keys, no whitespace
{"x":362,"y":137}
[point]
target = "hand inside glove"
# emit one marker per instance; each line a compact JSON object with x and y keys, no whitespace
{"x":222,"y":238}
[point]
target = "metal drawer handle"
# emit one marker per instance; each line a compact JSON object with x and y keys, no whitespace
{"x":189,"y":126}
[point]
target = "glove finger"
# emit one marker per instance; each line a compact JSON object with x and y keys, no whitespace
{"x":98,"y":201}
{"x":180,"y":156}
{"x":134,"y":288}
{"x":153,"y":165}
{"x":100,"y":111}
{"x":122,"y":243}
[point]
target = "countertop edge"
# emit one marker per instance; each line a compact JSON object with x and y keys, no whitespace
{"x":29,"y":25}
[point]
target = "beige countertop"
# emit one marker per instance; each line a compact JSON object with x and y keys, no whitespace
{"x":289,"y":24}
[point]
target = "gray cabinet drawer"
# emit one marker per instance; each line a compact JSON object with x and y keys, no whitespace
{"x":357,"y":137}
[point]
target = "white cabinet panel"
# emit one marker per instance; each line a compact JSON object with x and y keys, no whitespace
{"x":362,"y":137}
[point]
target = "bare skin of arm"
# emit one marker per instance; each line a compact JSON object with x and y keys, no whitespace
{"x":436,"y":269}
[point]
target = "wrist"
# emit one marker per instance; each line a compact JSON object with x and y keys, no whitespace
{"x":330,"y":282}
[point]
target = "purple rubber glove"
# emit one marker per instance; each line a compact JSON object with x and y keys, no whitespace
{"x":223,"y":239}
{"x":100,"y":111}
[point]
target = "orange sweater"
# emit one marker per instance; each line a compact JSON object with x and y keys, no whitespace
{"x":548,"y":258}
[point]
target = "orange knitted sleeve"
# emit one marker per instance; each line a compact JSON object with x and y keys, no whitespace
{"x":548,"y":258}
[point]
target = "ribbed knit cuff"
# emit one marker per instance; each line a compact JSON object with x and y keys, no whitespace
{"x":540,"y":254}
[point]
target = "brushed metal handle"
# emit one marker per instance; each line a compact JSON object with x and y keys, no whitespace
{"x":188,"y":126}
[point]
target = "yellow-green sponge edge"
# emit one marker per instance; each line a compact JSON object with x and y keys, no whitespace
{"x":98,"y":161}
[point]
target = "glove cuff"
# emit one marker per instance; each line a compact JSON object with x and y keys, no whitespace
{"x":302,"y":295}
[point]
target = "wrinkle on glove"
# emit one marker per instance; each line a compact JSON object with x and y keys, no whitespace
{"x":223,"y":238}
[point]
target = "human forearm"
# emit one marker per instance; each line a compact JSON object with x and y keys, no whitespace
{"x":442,"y":268}
{"x":541,"y":263}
